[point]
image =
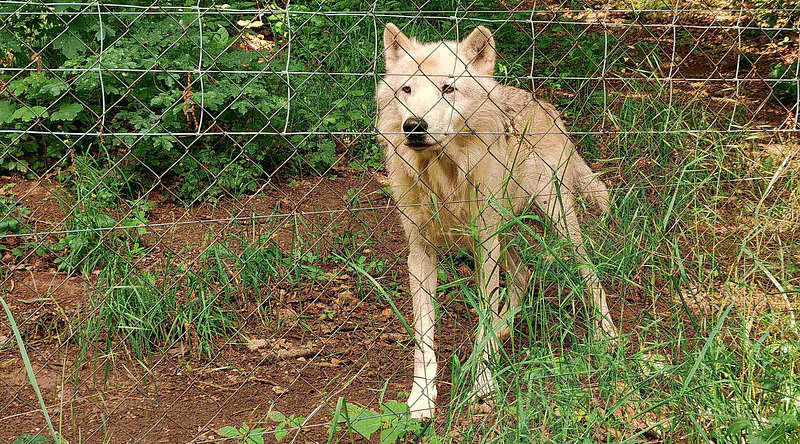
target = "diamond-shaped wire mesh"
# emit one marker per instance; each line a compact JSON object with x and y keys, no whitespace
{"x":200,"y":240}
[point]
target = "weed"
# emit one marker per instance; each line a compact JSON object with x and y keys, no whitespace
{"x":786,"y":83}
{"x":377,"y":268}
{"x":128,"y":305}
{"x":12,"y":213}
{"x":393,"y":423}
{"x":285,"y":424}
{"x":13,"y":221}
{"x":102,"y":223}
{"x":149,"y":310}
{"x":244,"y":434}
{"x":202,"y":318}
{"x":32,"y":439}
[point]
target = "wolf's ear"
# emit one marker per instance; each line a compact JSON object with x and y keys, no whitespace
{"x":395,"y":43}
{"x":478,"y":50}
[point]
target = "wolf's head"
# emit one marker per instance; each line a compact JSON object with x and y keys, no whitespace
{"x":431,"y":91}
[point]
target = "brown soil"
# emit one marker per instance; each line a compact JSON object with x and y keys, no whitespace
{"x":325,"y":340}
{"x":321,"y":340}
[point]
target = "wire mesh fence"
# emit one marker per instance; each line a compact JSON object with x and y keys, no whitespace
{"x":200,"y":241}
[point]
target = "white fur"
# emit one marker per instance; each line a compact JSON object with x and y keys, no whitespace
{"x":491,"y":146}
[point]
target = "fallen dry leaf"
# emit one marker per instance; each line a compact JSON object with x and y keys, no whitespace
{"x":287,"y":312}
{"x":255,"y":344}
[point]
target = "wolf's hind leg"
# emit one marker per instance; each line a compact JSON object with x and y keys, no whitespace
{"x":487,"y":263}
{"x":561,"y":209}
{"x":518,"y":277}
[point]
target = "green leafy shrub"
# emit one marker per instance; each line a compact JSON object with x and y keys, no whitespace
{"x":11,"y":213}
{"x":786,"y":83}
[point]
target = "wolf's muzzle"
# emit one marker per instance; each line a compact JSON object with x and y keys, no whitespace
{"x":416,"y":131}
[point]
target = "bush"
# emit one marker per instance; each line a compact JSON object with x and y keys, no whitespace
{"x":784,"y":89}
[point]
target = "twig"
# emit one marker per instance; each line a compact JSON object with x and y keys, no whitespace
{"x":273,"y":357}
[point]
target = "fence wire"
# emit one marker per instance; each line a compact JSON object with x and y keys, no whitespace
{"x":200,"y":241}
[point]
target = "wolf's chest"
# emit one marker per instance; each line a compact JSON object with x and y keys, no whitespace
{"x":445,"y":198}
{"x":442,"y":183}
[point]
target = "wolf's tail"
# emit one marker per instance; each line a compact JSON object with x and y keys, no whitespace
{"x":592,"y":187}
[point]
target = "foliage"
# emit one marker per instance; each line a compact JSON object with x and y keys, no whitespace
{"x":147,"y":93}
{"x":243,"y":434}
{"x":777,"y":13}
{"x":103,"y":223}
{"x":393,"y":422}
{"x":786,"y":83}
{"x":285,"y":424}
{"x":11,"y":213}
{"x":192,"y":303}
{"x":32,"y":439}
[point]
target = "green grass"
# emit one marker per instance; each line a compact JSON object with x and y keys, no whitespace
{"x":723,"y":385}
{"x":193,"y":304}
{"x":106,"y":219}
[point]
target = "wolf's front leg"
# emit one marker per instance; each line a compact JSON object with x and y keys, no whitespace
{"x":422,"y":267}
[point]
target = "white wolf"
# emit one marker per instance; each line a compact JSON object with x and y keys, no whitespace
{"x":460,"y":148}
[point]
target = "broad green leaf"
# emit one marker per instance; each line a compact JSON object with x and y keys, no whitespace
{"x":228,"y":432}
{"x":391,"y":435}
{"x":20,"y":86}
{"x":32,"y":439}
{"x":29,"y":113}
{"x":52,"y":88}
{"x":67,"y":111}
{"x":277,"y":416}
{"x":280,"y":432}
{"x":256,"y":436}
{"x":7,"y":110}
{"x":363,"y":421}
{"x":69,"y":45}
{"x":394,"y":407}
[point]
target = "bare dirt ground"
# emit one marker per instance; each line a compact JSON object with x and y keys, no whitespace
{"x":300,"y":365}
{"x":325,"y":342}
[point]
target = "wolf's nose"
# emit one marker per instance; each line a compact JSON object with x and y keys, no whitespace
{"x":415,"y":127}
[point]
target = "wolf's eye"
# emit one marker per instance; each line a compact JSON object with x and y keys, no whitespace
{"x":406,"y":89}
{"x":447,"y":89}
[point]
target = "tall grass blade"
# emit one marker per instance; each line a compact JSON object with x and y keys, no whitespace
{"x":29,"y":369}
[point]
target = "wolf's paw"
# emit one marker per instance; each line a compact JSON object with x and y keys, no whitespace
{"x":485,"y":388}
{"x":422,"y":401}
{"x":485,"y":392}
